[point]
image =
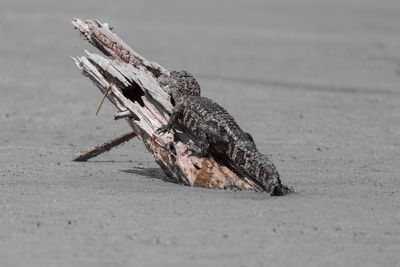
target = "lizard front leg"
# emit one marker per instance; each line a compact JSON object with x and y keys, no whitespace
{"x":172,"y":120}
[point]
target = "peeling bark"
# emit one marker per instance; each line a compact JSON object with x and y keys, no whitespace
{"x":130,"y":82}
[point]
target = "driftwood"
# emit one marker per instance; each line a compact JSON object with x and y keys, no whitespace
{"x":129,"y":81}
{"x":96,"y":150}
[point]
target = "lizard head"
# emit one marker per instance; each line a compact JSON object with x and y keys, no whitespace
{"x":180,"y":84}
{"x":263,"y":170}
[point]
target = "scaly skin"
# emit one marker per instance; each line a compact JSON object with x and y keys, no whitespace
{"x":217,"y":132}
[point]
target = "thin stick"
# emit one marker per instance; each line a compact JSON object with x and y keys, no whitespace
{"x":102,"y":100}
{"x":96,"y":150}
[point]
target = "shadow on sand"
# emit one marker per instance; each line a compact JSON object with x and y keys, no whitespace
{"x":151,"y":173}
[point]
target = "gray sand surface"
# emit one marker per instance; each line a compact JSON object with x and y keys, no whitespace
{"x":315,"y":82}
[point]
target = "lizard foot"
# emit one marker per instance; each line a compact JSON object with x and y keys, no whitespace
{"x":162,"y":130}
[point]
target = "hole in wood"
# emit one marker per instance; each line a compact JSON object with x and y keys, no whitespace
{"x":134,"y":93}
{"x":172,"y":149}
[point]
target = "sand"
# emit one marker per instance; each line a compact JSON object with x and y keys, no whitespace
{"x":316,"y":84}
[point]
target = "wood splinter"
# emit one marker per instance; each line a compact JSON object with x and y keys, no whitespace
{"x":102,"y":100}
{"x":123,"y":114}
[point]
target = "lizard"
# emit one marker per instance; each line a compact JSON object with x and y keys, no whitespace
{"x":216,"y":132}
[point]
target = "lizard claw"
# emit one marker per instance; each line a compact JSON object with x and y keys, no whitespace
{"x":162,"y":130}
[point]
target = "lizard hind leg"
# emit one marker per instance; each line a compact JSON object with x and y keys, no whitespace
{"x":212,"y":138}
{"x":205,"y":136}
{"x":248,"y":135}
